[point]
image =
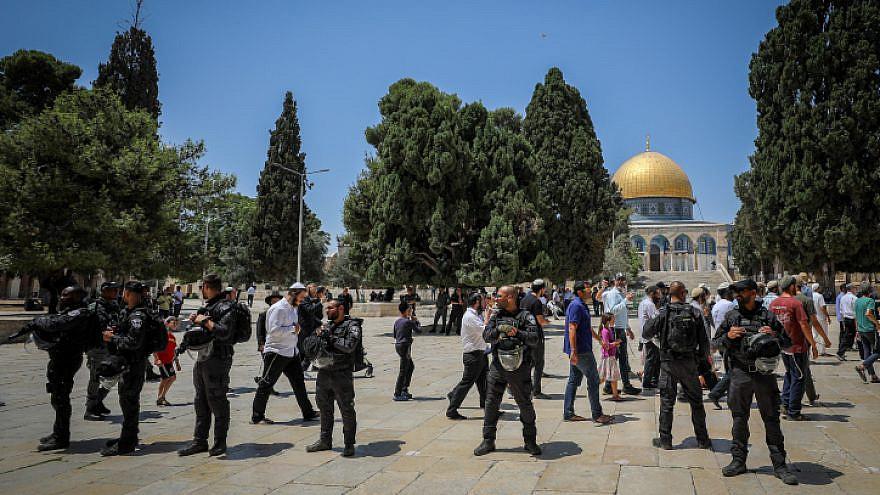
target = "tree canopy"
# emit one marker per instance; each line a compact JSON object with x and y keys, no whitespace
{"x":812,"y":194}
{"x":30,"y":80}
{"x":131,"y":71}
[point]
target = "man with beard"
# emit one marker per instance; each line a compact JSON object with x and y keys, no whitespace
{"x":339,"y":342}
{"x":513,"y":333}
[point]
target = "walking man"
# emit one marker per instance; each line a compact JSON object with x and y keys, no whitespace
{"x":281,"y":354}
{"x":531,"y":302}
{"x":578,"y":345}
{"x":847,"y":314}
{"x":441,"y":302}
{"x":648,"y":309}
{"x":476,"y":363}
{"x":616,"y":301}
{"x":790,"y":312}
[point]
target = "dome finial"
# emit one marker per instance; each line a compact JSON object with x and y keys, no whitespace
{"x":647,"y":142}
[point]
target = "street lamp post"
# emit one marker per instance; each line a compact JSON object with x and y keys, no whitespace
{"x":302,"y":182}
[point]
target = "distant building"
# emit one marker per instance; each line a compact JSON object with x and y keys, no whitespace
{"x":662,"y":226}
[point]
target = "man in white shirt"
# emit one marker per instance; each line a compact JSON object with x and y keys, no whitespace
{"x":280,"y":355}
{"x":251,"y":291}
{"x":476,"y":362}
{"x":847,"y":311}
{"x":824,"y":320}
{"x":723,"y":305}
{"x":647,"y":310}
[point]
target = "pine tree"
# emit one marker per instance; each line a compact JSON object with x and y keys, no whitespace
{"x":580,"y":203}
{"x":275,"y":233}
{"x":30,"y":81}
{"x":814,"y":189}
{"x":131,"y":69}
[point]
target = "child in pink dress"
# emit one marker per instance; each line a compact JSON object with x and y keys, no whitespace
{"x":608,"y":368}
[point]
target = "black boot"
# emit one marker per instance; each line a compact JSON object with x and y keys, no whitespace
{"x":219,"y":448}
{"x":90,"y":416}
{"x":102,"y":410}
{"x":785,"y":475}
{"x":532,"y":447}
{"x":53,"y":443}
{"x":736,"y":467}
{"x":115,"y":449}
{"x":348,"y":451}
{"x":196,"y":447}
{"x":485,"y":447}
{"x":660,"y":443}
{"x":321,"y":444}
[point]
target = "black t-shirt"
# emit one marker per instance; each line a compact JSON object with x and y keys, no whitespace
{"x":403,"y":331}
{"x":533,"y":305}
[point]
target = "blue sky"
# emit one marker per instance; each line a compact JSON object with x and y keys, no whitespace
{"x":675,"y":69}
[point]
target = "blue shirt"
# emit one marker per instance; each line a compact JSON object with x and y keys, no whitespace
{"x":837,"y":306}
{"x":615,"y":302}
{"x":577,"y":313}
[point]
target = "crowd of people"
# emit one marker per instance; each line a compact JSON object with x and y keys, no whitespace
{"x":750,"y":326}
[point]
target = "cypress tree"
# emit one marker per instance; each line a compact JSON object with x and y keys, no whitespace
{"x":275,"y":235}
{"x":579,"y":201}
{"x":131,"y":69}
{"x":814,"y":192}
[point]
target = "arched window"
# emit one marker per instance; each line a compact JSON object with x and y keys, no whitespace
{"x":661,"y":242}
{"x":638,"y":243}
{"x":683,"y":244}
{"x":706,"y":244}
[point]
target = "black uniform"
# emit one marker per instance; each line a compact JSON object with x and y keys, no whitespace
{"x":261,"y":331}
{"x":441,"y":303}
{"x":73,"y":324}
{"x":746,"y":382}
{"x":211,"y":376}
{"x":519,"y":380}
{"x":681,"y":367}
{"x":130,"y":342}
{"x":457,"y":312}
{"x":335,"y":382}
{"x":533,"y":305}
{"x":107,"y":316}
{"x":310,"y":314}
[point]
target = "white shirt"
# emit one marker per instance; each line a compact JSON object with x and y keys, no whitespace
{"x":847,"y":305}
{"x":251,"y":290}
{"x":472,"y":331}
{"x":720,"y":310}
{"x":819,"y":303}
{"x":647,"y":310}
{"x":281,"y":335}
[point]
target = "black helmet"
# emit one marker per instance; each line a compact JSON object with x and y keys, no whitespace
{"x":113,"y":365}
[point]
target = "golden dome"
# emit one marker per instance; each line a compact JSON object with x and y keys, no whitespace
{"x":652,"y":175}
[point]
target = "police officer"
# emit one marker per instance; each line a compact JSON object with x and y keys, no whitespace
{"x":66,"y":336}
{"x":684,"y":355}
{"x":747,"y":380}
{"x":211,"y":375}
{"x":531,"y":302}
{"x":106,"y":312}
{"x":129,"y":341}
{"x":513,"y":334}
{"x":310,"y":313}
{"x":339,"y":341}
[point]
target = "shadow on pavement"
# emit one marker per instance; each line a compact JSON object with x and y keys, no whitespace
{"x":621,"y":418}
{"x":558,"y":450}
{"x":382,"y":448}
{"x":255,"y":450}
{"x":161,"y":447}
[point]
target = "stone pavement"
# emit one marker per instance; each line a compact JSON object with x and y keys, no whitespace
{"x":411,"y":448}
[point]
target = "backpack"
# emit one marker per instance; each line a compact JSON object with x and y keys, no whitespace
{"x":241,"y":322}
{"x":681,"y":329}
{"x":156,"y":333}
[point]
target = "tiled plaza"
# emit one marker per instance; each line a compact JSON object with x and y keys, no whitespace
{"x":412,"y":448}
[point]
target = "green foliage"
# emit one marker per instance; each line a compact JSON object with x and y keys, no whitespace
{"x":449,"y":196}
{"x":620,"y":257}
{"x":579,"y":201}
{"x":87,"y":185}
{"x":813,"y":197}
{"x":274,"y":234}
{"x":341,"y":272}
{"x":229,"y":233}
{"x":30,"y":81}
{"x":131,"y":71}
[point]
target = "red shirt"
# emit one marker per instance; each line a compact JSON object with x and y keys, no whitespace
{"x":167,"y":356}
{"x":790,"y":312}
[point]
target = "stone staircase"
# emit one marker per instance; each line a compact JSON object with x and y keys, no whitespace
{"x":690,"y":279}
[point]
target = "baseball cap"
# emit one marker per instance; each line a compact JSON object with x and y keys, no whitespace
{"x":297,"y":285}
{"x":696,"y":292}
{"x":772,"y":284}
{"x":661,"y":285}
{"x":579,"y":286}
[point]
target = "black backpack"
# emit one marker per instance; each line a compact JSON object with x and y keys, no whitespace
{"x":157,"y":334}
{"x":681,"y":329}
{"x":241,"y":322}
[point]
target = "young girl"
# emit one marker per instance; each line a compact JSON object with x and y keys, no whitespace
{"x":608,"y":368}
{"x":166,"y":361}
